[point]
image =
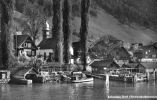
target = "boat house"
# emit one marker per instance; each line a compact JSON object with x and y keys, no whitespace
{"x":150,"y":69}
{"x":98,"y":67}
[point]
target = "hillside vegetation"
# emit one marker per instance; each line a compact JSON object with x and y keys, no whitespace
{"x":142,"y":12}
{"x":128,"y":20}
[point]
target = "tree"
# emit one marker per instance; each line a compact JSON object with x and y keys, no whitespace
{"x":6,"y":50}
{"x":85,"y":5}
{"x":56,"y":30}
{"x":35,"y":20}
{"x":66,"y":30}
{"x":104,"y":46}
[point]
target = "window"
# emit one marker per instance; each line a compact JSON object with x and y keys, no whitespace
{"x":154,"y":56}
{"x":146,"y":52}
{"x":33,"y":53}
{"x":29,"y":45}
{"x":29,"y":53}
{"x":25,"y":45}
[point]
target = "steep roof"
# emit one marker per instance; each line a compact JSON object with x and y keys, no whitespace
{"x":120,"y":53}
{"x":132,"y":65}
{"x":104,"y":63}
{"x":149,"y":65}
{"x":49,"y":43}
{"x":20,"y":39}
{"x":125,"y":66}
{"x":21,"y":73}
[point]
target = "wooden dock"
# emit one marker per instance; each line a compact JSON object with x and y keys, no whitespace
{"x":122,"y":78}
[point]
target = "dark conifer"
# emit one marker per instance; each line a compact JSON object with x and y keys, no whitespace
{"x":85,"y":5}
{"x":56,"y":30}
{"x":6,"y":49}
{"x":66,"y":30}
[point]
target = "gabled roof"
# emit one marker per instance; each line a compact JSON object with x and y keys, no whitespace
{"x":132,"y":65}
{"x":121,"y":53}
{"x":149,"y":65}
{"x":49,"y":43}
{"x":21,"y":73}
{"x":104,"y":63}
{"x":20,"y":39}
{"x":125,"y":66}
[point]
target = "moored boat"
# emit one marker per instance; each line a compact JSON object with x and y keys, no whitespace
{"x":82,"y":80}
{"x":79,"y":77}
{"x":140,"y":77}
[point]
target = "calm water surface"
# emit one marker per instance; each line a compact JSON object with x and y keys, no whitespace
{"x":81,"y":91}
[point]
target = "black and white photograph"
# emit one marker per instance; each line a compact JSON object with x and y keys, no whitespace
{"x":78,"y":49}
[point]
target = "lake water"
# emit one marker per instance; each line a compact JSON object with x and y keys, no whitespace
{"x":96,"y":90}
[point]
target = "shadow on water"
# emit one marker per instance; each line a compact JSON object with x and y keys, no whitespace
{"x":96,"y":90}
{"x":133,"y":89}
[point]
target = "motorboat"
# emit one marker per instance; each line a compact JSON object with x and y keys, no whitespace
{"x":79,"y":77}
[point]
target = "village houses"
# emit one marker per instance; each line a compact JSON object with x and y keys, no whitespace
{"x":48,"y":44}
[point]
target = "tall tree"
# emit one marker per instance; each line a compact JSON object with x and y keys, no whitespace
{"x":56,"y":30}
{"x":35,"y":20}
{"x":1,"y":64}
{"x":85,"y":5}
{"x":7,"y":52}
{"x":66,"y":30}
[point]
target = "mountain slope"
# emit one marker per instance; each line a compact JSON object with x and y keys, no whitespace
{"x":105,"y":24}
{"x":123,"y":19}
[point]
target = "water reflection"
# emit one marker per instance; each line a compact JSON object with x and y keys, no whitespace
{"x":97,"y":90}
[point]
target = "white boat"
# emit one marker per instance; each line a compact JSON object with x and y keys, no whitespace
{"x":79,"y":77}
{"x":82,"y":80}
{"x":140,"y":77}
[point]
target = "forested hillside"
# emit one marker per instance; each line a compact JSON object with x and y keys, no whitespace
{"x":129,"y":20}
{"x":142,"y":12}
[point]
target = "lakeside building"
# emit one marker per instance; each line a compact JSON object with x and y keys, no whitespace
{"x":148,"y":68}
{"x":99,"y":66}
{"x":120,"y":55}
{"x":48,"y":44}
{"x":24,"y":45}
{"x":136,"y":46}
{"x":146,"y":53}
{"x":23,"y":72}
{"x":149,"y":53}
